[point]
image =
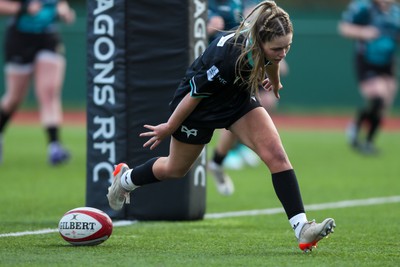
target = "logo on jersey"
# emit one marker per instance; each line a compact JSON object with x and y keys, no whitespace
{"x":212,"y":72}
{"x":188,"y":132}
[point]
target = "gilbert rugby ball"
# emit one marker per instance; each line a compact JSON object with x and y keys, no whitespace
{"x":85,"y":226}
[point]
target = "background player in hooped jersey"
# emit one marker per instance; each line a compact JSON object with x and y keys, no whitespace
{"x":220,"y":90}
{"x":34,"y":52}
{"x":375,"y":25}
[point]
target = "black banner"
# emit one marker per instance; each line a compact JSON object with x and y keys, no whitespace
{"x":137,"y":53}
{"x":106,"y":98}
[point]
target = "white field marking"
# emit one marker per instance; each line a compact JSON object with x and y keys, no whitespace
{"x":322,"y":206}
{"x":49,"y":231}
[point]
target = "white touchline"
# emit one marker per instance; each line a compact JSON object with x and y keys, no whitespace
{"x":322,"y":206}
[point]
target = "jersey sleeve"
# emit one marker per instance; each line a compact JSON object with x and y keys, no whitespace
{"x":215,"y":69}
{"x":207,"y":81}
{"x":358,"y":12}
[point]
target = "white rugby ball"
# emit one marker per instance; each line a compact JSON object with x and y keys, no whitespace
{"x":85,"y":226}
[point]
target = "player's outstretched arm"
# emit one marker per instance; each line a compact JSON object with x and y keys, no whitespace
{"x":159,"y":132}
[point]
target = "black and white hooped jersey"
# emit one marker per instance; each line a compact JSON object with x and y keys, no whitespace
{"x":213,"y":77}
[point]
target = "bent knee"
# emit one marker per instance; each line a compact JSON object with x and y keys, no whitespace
{"x":174,"y":173}
{"x":275,"y":158}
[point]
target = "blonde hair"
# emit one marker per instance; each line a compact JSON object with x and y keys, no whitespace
{"x":266,"y":22}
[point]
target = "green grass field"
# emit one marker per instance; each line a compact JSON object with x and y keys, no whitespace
{"x":34,"y":196}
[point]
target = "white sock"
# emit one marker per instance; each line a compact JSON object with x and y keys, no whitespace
{"x":297,"y":223}
{"x":126,"y":181}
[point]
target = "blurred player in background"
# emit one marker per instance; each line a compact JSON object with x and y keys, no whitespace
{"x":229,"y":153}
{"x":375,"y":25}
{"x":34,"y":53}
{"x":220,"y":90}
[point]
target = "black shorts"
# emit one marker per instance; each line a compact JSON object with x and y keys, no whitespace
{"x":366,"y":70}
{"x":199,"y":134}
{"x":22,"y":48}
{"x":193,"y":135}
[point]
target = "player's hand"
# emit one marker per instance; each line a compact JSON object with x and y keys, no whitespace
{"x":370,"y":33}
{"x":268,"y":86}
{"x":157,"y":134}
{"x":65,"y":13}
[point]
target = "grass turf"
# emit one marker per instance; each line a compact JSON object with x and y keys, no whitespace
{"x":35,"y":196}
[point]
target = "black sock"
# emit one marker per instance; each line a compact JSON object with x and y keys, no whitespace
{"x":288,"y":192}
{"x":218,"y":158}
{"x":52,"y":133}
{"x":375,"y":117}
{"x":361,"y":116}
{"x":143,"y":174}
{"x":4,"y":119}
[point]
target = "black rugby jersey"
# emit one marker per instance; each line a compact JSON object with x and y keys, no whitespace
{"x":212,"y":77}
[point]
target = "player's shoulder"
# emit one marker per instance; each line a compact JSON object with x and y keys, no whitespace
{"x":224,"y":46}
{"x":361,"y":5}
{"x":358,"y":11}
{"x":396,"y":8}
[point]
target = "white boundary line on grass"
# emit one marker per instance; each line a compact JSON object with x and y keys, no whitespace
{"x":48,"y":231}
{"x":322,"y":206}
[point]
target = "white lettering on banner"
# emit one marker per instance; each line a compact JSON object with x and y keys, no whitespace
{"x":105,"y":68}
{"x":103,"y":94}
{"x":109,"y":48}
{"x":106,"y":148}
{"x":105,"y":166}
{"x":200,"y":170}
{"x":199,"y":28}
{"x":103,"y":88}
{"x":103,"y":5}
{"x":106,"y":127}
{"x":103,"y":24}
{"x":200,"y":43}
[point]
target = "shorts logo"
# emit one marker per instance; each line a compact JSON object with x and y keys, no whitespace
{"x":188,"y":132}
{"x":211,"y":73}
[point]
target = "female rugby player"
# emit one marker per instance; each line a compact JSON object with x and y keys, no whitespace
{"x":220,"y":90}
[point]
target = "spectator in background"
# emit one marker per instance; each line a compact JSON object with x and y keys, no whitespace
{"x":34,"y":52}
{"x":375,"y":25}
{"x":225,"y":16}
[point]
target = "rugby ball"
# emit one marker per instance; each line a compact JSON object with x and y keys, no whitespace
{"x":85,"y":226}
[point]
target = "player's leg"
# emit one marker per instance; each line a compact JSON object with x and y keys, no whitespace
{"x":353,"y":130}
{"x":262,"y":137}
{"x":257,"y":131}
{"x":225,"y":153}
{"x":391,"y":91}
{"x":17,"y":84}
{"x":49,"y":76}
{"x":222,"y":180}
{"x":374,"y":91}
{"x":179,"y":161}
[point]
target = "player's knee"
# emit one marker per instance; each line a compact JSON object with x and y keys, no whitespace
{"x":376,"y":107}
{"x":275,"y":157}
{"x":174,"y":172}
{"x":377,"y":104}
